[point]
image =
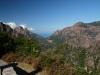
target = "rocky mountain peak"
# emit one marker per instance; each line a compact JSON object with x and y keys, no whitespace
{"x":81,"y":34}
{"x":17,"y":31}
{"x":79,"y":23}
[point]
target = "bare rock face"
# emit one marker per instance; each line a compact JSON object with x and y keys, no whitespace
{"x":80,"y":34}
{"x":18,"y":31}
{"x":5,"y":28}
{"x":21,"y":31}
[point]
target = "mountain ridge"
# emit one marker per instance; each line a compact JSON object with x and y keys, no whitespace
{"x":82,"y":34}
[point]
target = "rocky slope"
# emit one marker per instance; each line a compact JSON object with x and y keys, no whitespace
{"x":19,"y":31}
{"x":80,"y":34}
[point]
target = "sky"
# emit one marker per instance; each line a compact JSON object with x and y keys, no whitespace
{"x":47,"y":16}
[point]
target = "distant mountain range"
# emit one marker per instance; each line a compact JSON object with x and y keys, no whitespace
{"x":80,"y":34}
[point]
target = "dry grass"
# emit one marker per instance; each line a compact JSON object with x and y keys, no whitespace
{"x":30,"y":64}
{"x":9,"y":57}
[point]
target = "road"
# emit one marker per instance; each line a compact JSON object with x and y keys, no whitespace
{"x":15,"y":70}
{"x":2,"y":62}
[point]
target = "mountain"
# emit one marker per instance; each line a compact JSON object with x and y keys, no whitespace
{"x":5,"y":28}
{"x":74,"y":50}
{"x":20,"y":38}
{"x":20,"y":31}
{"x":80,"y":34}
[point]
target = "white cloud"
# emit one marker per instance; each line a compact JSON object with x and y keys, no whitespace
{"x":12,"y":24}
{"x":23,"y":26}
{"x":31,"y":29}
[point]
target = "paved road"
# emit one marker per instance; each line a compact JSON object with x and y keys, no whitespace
{"x":2,"y":62}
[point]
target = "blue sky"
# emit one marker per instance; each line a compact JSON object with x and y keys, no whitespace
{"x":46,"y":16}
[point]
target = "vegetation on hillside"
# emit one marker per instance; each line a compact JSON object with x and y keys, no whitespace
{"x":6,"y":43}
{"x":61,"y":59}
{"x":20,"y":45}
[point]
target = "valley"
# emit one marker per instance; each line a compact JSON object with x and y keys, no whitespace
{"x":74,"y":50}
